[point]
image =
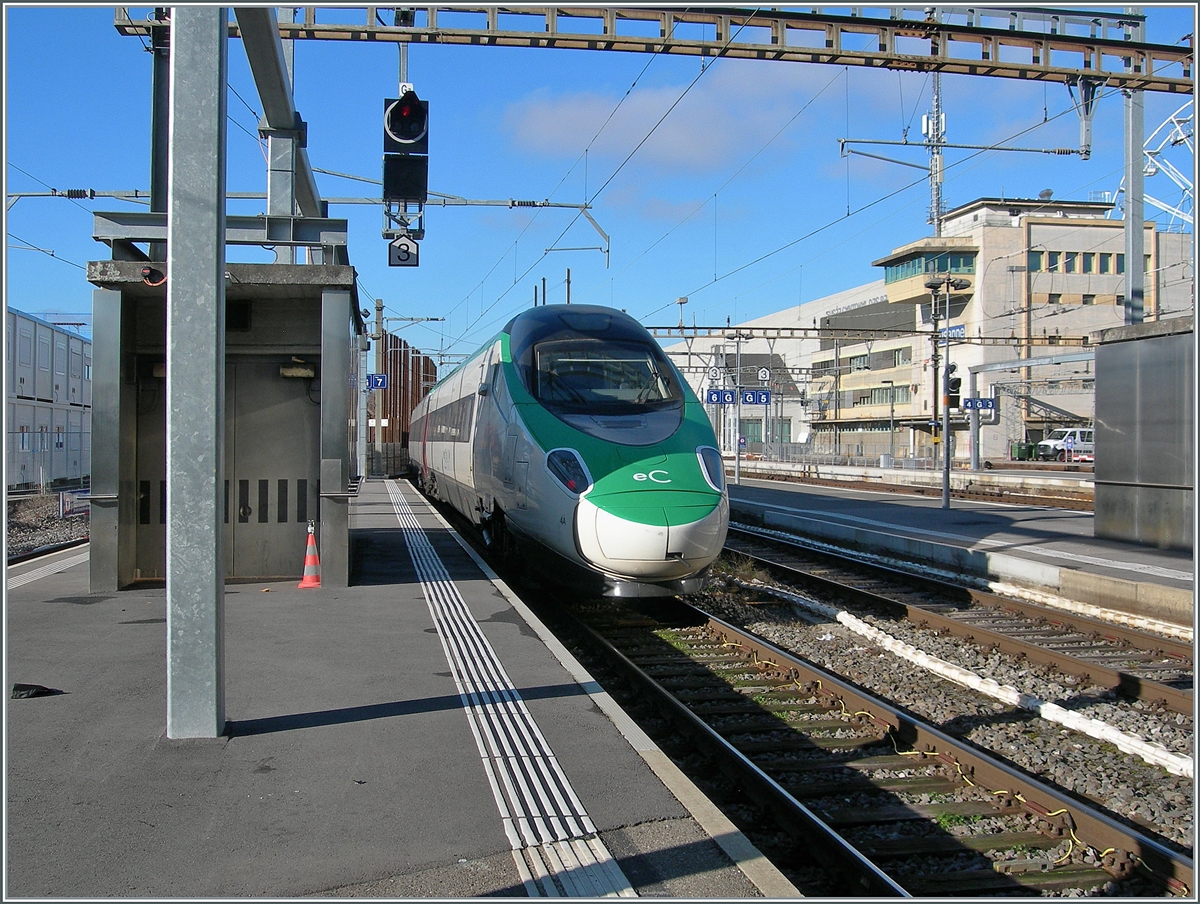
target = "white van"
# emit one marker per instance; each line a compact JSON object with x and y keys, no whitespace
{"x":1080,"y":440}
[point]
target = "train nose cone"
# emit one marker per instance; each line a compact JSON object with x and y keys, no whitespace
{"x":654,"y":540}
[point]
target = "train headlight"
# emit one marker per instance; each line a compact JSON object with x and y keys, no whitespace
{"x":713,"y":467}
{"x":567,"y":467}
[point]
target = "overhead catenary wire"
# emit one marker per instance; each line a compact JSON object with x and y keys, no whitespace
{"x":831,"y":223}
{"x":29,"y":246}
{"x":615,"y":172}
{"x":512,"y":248}
{"x":46,"y":184}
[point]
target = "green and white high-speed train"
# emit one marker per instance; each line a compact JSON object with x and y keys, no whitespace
{"x":571,"y":438}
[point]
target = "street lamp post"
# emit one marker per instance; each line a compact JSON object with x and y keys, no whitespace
{"x":891,"y":385}
{"x":933,"y":285}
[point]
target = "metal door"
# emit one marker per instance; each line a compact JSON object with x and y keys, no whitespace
{"x":272,"y":467}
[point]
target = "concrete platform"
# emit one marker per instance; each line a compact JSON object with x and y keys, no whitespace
{"x":357,"y":760}
{"x":1043,"y":549}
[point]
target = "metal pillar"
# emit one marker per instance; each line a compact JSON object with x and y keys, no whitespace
{"x":1135,"y":238}
{"x":379,"y":338}
{"x":972,"y":393}
{"x":160,"y":106}
{"x":114,"y":446}
{"x":737,"y":428}
{"x":196,"y":374}
{"x":946,"y":409}
{"x":337,"y":406}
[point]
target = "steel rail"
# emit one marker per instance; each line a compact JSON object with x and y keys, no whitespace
{"x":1144,"y":689}
{"x":1124,"y":847}
{"x":763,"y":789}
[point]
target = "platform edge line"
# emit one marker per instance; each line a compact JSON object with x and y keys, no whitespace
{"x":749,"y":859}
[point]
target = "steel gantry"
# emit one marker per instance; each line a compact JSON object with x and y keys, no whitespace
{"x":1038,"y":44}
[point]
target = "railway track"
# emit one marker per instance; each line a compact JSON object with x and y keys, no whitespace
{"x":1139,"y":665}
{"x":889,"y":805}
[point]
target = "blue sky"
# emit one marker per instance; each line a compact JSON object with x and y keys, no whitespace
{"x":738,"y":199}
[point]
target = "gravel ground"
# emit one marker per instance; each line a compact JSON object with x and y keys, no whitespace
{"x":33,"y":522}
{"x":1124,"y":784}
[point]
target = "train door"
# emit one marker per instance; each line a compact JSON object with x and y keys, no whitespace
{"x":272,"y":467}
{"x":480,"y":401}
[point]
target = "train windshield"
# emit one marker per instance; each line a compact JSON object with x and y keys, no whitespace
{"x":612,"y":377}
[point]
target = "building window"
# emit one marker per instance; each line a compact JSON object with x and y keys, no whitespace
{"x":1106,"y":263}
{"x":1120,"y":263}
{"x":1052,"y":298}
{"x":882,"y":395}
{"x":1070,"y":261}
{"x":1036,"y":259}
{"x":752,"y":429}
{"x":1089,"y":262}
{"x":1053,"y":261}
{"x":860,"y":362}
{"x":1089,"y":299}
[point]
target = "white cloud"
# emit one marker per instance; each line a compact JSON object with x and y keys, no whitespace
{"x":731,"y":112}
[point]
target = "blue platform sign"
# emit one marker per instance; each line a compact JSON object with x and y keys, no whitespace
{"x":979,"y":404}
{"x":721,"y":397}
{"x":376,"y":381}
{"x":756,"y":397}
{"x":953,"y":332}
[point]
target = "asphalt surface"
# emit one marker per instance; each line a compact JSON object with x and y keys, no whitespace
{"x":348,"y":767}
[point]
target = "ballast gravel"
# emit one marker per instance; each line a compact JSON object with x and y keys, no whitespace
{"x":33,"y":523}
{"x":1126,"y":785}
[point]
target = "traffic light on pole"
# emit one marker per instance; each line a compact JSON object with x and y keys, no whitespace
{"x":953,"y":387}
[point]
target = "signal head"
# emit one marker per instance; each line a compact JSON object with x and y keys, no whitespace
{"x":406,"y":124}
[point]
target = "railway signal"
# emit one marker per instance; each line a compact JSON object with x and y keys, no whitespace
{"x":953,"y":387}
{"x":405,"y":148}
{"x":406,"y":124}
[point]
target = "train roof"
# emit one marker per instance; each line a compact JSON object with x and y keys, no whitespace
{"x":62,"y":328}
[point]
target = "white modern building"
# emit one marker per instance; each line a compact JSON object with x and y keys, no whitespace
{"x":1029,"y":282}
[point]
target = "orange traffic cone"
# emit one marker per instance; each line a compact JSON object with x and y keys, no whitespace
{"x":312,"y":563}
